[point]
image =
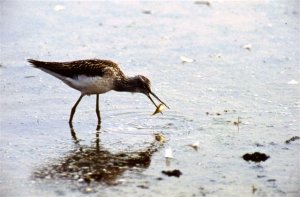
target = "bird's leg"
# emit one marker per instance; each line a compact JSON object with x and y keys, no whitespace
{"x":73,"y":110}
{"x":97,"y":138}
{"x":73,"y":133}
{"x":98,"y":127}
{"x":98,"y":112}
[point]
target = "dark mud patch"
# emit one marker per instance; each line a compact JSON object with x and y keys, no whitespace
{"x":255,"y":157}
{"x":146,"y":12}
{"x":292,"y":139}
{"x":207,"y":3}
{"x":29,"y":76}
{"x":143,"y":186}
{"x":259,"y":145}
{"x":261,"y":176}
{"x":175,"y":173}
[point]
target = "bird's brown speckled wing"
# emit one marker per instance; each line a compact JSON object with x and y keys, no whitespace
{"x":80,"y":67}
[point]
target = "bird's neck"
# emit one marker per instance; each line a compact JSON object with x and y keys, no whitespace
{"x":127,"y":84}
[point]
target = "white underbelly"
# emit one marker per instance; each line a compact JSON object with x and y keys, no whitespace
{"x":90,"y":85}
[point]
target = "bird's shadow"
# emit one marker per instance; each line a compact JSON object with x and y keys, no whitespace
{"x":95,"y":164}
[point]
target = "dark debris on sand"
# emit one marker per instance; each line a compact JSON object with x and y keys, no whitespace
{"x":255,"y":157}
{"x":175,"y":173}
{"x":292,"y":139}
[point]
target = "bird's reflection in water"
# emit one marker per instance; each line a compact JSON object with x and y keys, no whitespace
{"x":94,"y":163}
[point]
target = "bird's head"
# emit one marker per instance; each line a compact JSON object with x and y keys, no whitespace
{"x":142,"y":85}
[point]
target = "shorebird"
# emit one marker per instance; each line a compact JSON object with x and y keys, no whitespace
{"x":95,"y":77}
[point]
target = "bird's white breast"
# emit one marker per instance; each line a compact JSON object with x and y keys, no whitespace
{"x":90,"y":85}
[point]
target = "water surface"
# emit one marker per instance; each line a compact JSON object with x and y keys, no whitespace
{"x":224,"y":83}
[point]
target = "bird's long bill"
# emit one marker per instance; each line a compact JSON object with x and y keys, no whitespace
{"x":157,"y":99}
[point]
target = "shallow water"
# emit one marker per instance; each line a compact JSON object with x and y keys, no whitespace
{"x":226,"y":82}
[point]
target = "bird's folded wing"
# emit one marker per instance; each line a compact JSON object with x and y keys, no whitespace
{"x":76,"y":68}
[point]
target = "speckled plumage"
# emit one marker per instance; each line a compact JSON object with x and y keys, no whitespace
{"x":88,"y":76}
{"x":91,"y":68}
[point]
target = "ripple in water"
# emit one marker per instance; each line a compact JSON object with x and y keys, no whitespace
{"x":139,"y":122}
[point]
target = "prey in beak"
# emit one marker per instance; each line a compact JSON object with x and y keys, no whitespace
{"x":160,"y":107}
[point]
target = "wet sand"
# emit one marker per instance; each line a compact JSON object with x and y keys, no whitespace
{"x":228,"y":70}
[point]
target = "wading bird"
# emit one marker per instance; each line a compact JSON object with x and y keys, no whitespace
{"x":95,"y":77}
